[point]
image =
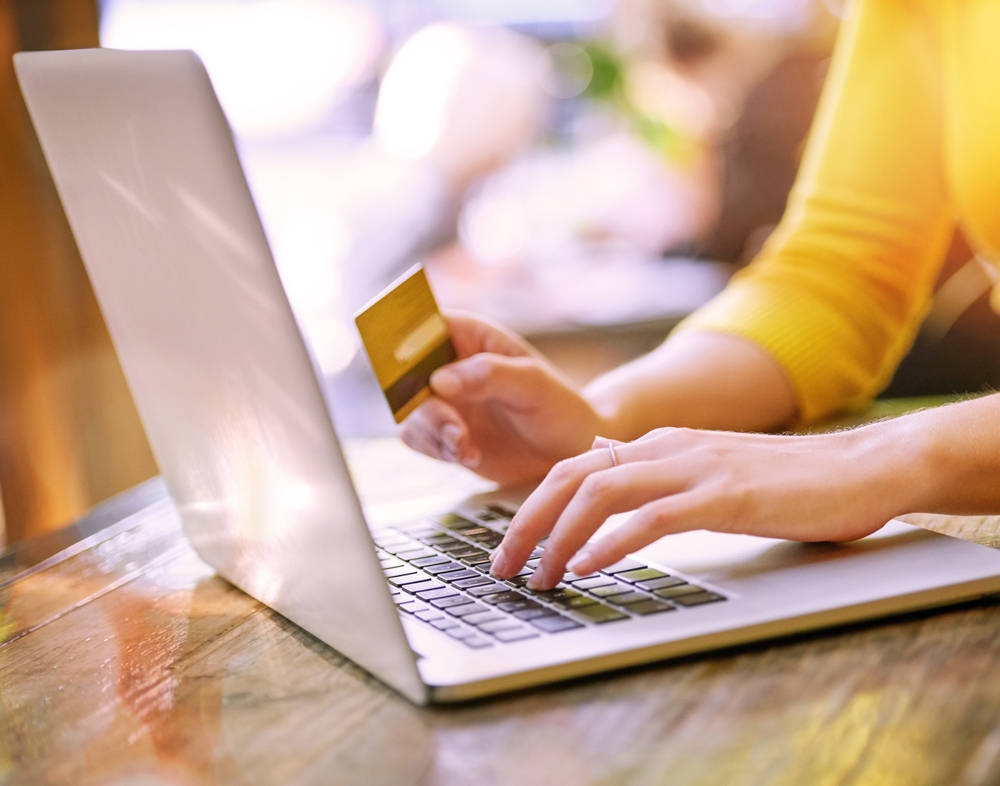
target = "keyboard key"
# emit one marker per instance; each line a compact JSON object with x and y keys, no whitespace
{"x":590,"y":583}
{"x":699,"y":598}
{"x":515,"y":634}
{"x":655,"y":584}
{"x":477,"y":642}
{"x":399,"y":598}
{"x":458,"y":575}
{"x":414,"y":587}
{"x":469,"y":607}
{"x":391,"y":562}
{"x":423,"y":586}
{"x":577,"y":603}
{"x":501,"y":597}
{"x":443,"y":567}
{"x":555,"y":623}
{"x":480,"y":618}
{"x":390,"y":541}
{"x":410,"y":578}
{"x":472,"y":534}
{"x":451,"y":600}
{"x":600,"y":613}
{"x":434,"y":537}
{"x":486,"y":589}
{"x":416,"y":529}
{"x":538,"y":611}
{"x":413,"y":606}
{"x":627,"y":598}
{"x":477,"y":581}
{"x":610,"y":589}
{"x":622,"y":565}
{"x":428,"y":614}
{"x":677,"y":591}
{"x":468,"y":551}
{"x":501,"y":510}
{"x":445,"y":623}
{"x":516,"y":605}
{"x":643,"y":574}
{"x":451,"y":548}
{"x":520,"y":580}
{"x":649,"y":606}
{"x":536,"y":553}
{"x":490,"y":539}
{"x":401,"y":548}
{"x":414,"y":554}
{"x":436,"y":594}
{"x":437,"y":559}
{"x":460,"y":633}
{"x":454,"y":521}
{"x":558,"y":595}
{"x":504,"y":624}
{"x":402,"y":570}
{"x":472,"y":556}
{"x":533,"y":563}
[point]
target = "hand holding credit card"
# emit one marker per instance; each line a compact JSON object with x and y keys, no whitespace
{"x":406,"y":339}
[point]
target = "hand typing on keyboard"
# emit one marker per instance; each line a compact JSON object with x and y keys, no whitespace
{"x":810,"y":488}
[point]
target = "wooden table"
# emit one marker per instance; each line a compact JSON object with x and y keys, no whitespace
{"x":124,"y":660}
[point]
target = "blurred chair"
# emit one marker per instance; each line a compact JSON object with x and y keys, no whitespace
{"x":69,"y":433}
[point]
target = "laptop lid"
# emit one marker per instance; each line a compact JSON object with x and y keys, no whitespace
{"x":147,"y":170}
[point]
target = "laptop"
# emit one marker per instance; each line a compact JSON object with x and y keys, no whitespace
{"x":147,"y":170}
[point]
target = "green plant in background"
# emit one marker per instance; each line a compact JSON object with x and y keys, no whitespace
{"x":607,"y":85}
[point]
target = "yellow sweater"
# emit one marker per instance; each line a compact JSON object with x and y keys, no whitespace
{"x":905,"y":144}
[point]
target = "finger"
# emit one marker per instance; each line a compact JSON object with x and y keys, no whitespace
{"x":438,"y":430}
{"x":669,"y":515}
{"x":540,"y":511}
{"x":472,"y":334}
{"x":422,"y":442}
{"x":605,"y":442}
{"x":603,"y":494}
{"x":517,"y":383}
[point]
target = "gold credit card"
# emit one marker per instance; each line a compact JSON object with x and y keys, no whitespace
{"x":406,"y":339}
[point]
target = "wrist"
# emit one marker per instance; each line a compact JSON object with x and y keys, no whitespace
{"x":898,"y":460}
{"x":609,"y":417}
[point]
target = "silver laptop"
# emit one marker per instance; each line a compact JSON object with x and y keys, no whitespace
{"x":145,"y":164}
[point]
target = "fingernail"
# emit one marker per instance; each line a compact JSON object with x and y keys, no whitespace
{"x":445,"y":382}
{"x":537,"y":580}
{"x":498,"y":565}
{"x":582,"y":564}
{"x":450,"y":434}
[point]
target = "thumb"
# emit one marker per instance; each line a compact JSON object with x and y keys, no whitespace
{"x":517,"y":382}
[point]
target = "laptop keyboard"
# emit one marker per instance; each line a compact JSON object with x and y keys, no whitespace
{"x":438,"y":573}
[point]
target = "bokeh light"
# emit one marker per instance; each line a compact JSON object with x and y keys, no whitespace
{"x":416,"y":90}
{"x":278,"y":66}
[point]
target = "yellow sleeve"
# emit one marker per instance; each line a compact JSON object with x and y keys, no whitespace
{"x":839,"y":290}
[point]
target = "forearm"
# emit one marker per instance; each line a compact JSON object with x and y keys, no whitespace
{"x":698,"y":380}
{"x":945,"y":460}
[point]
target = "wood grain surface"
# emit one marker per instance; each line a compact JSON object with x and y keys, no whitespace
{"x":129,"y":662}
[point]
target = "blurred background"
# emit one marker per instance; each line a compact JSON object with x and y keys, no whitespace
{"x":585,"y":171}
{"x":567,"y":167}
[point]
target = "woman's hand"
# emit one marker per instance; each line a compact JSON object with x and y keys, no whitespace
{"x":501,"y":409}
{"x":832,"y":487}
